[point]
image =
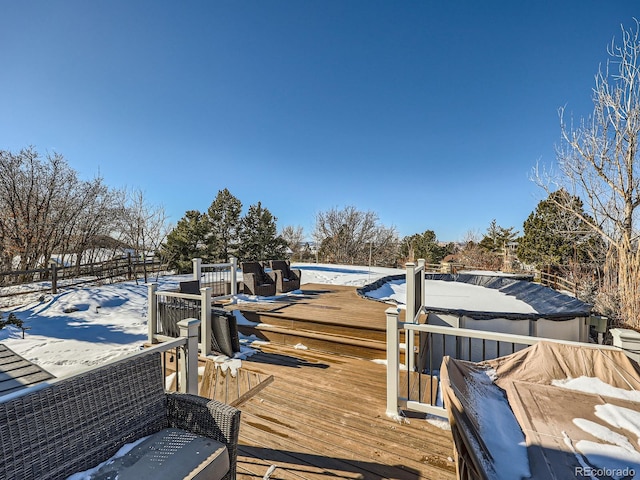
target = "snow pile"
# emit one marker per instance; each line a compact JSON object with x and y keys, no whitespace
{"x":508,"y":449}
{"x":357,"y":276}
{"x":614,"y":454}
{"x":598,"y":387}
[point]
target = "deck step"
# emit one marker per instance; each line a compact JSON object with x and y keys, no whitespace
{"x":372,"y":332}
{"x":319,"y":341}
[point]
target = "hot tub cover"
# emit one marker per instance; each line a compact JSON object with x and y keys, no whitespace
{"x":568,"y":433}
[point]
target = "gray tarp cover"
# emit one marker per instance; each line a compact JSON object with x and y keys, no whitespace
{"x":548,"y":303}
{"x":545,"y":412}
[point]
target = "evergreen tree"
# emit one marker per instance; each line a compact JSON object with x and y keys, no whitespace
{"x":186,"y":241}
{"x":554,"y":236}
{"x":258,"y":236}
{"x":224,"y":219}
{"x":425,"y":246}
{"x":497,"y":237}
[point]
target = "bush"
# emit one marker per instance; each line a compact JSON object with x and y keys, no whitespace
{"x":12,"y":320}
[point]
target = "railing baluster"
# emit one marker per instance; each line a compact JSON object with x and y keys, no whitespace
{"x":397,"y":401}
{"x":430,"y":339}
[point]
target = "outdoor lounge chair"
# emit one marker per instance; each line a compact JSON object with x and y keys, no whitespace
{"x":257,"y":281}
{"x":69,"y":425}
{"x":287,"y":279}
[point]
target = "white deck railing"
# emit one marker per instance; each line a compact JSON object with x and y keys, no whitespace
{"x":436,"y":342}
{"x":186,"y":355}
{"x":408,"y":381}
{"x":191,"y":307}
{"x":414,"y":302}
{"x":218,"y":281}
{"x":221,"y":277}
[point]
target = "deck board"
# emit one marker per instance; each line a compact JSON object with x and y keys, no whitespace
{"x":324,"y":417}
{"x":17,"y":373}
{"x":335,"y":305}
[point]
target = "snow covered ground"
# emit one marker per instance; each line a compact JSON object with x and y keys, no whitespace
{"x":84,"y":327}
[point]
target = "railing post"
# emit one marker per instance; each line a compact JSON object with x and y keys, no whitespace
{"x":197,"y":268}
{"x":411,"y":291}
{"x":205,"y":317}
{"x":188,"y":368}
{"x":410,"y":313}
{"x":393,"y":362}
{"x":129,"y":266}
{"x":422,"y":266}
{"x":152,"y":311}
{"x":234,"y":275}
{"x":54,"y":276}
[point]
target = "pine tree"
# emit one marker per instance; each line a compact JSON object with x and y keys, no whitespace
{"x":224,"y":219}
{"x":186,"y":241}
{"x":497,"y":237}
{"x":553,"y":236}
{"x":425,"y":246}
{"x":258,"y":236}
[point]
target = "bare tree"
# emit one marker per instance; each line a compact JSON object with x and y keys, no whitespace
{"x":42,"y":201}
{"x":293,"y":236}
{"x":598,"y":161}
{"x":143,"y":226}
{"x":351,"y":236}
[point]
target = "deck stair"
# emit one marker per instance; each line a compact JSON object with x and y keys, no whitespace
{"x":327,"y":318}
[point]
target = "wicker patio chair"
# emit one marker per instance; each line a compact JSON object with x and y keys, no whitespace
{"x":257,"y":281}
{"x":73,"y":424}
{"x":287,"y":279}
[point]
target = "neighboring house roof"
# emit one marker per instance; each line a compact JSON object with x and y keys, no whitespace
{"x":17,"y":373}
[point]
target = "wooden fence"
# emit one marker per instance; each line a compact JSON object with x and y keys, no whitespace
{"x":48,"y":279}
{"x":557,"y":283}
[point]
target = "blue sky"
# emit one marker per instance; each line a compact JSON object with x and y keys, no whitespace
{"x":429,"y":113}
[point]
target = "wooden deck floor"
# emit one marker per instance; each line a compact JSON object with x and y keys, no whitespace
{"x":330,"y":318}
{"x":333,"y":305}
{"x":17,"y":373}
{"x":323,"y":417}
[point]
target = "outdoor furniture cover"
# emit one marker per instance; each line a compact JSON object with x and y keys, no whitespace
{"x":287,"y":279}
{"x":192,"y":287}
{"x":257,"y":281}
{"x":574,"y":408}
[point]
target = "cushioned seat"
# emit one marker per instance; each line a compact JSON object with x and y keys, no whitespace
{"x":287,"y":279}
{"x":169,"y":454}
{"x":256,"y":281}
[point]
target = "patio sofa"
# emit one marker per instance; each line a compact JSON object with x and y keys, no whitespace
{"x":70,"y":425}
